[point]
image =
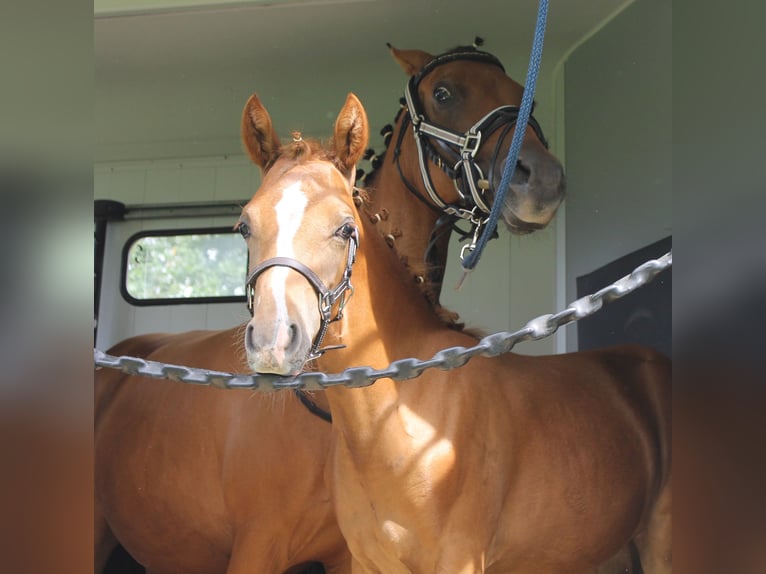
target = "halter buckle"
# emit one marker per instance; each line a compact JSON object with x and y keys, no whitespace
{"x":325,"y":305}
{"x":344,"y":298}
{"x":250,"y":292}
{"x":466,"y":215}
{"x":471,"y":144}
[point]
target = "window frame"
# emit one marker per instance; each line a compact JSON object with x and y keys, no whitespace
{"x":175,"y":300}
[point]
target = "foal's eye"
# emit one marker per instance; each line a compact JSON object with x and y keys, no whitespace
{"x":442,"y":94}
{"x":346,"y":230}
{"x":244,"y":230}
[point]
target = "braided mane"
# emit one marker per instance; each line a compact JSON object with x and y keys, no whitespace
{"x":302,"y":150}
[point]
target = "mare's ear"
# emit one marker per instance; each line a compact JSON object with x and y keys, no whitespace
{"x":351,"y":134}
{"x":258,"y":135}
{"x":411,"y":61}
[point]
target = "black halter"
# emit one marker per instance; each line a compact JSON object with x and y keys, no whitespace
{"x":453,"y":152}
{"x":340,"y":294}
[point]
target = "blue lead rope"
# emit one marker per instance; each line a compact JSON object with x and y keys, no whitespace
{"x":473,"y":255}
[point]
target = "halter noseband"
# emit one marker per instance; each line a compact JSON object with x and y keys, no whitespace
{"x":327,"y":298}
{"x":459,"y":151}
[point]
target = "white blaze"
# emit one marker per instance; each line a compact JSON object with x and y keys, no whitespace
{"x":289,"y":210}
{"x":289,"y":218}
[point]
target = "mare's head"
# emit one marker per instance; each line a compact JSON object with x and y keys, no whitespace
{"x":466,"y":92}
{"x":301,"y":234}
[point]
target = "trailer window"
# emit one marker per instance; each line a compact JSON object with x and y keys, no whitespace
{"x":189,"y":266}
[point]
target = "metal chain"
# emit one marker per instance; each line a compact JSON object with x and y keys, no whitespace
{"x":403,"y":369}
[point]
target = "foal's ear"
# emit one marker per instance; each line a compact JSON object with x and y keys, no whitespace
{"x":411,"y":61}
{"x":351,"y":134}
{"x":258,"y":135}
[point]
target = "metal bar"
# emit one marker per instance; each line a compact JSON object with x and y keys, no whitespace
{"x":184,"y":210}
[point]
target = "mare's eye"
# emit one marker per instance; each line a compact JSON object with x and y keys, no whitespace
{"x":244,"y":230}
{"x":346,"y":230}
{"x":442,"y":94}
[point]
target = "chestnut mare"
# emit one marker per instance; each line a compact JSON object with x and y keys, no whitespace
{"x":514,"y":464}
{"x":194,"y":479}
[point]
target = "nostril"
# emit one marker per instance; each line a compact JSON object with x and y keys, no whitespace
{"x":292,"y":337}
{"x":521,"y":176}
{"x":522,"y":171}
{"x":249,"y":345}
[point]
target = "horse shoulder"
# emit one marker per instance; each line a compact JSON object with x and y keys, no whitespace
{"x":645,"y":371}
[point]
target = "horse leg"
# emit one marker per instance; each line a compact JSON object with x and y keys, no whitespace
{"x":655,"y":545}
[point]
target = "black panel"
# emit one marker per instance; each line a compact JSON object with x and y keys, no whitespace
{"x":642,"y":317}
{"x":104,"y":211}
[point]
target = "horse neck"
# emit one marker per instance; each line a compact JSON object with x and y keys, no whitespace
{"x":387,"y":319}
{"x":408,"y":221}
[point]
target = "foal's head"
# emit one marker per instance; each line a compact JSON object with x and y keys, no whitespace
{"x":301,"y":234}
{"x":466,"y":90}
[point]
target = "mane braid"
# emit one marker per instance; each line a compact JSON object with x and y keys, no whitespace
{"x":449,"y":318}
{"x":477,"y":43}
{"x":376,"y":159}
{"x":460,"y":50}
{"x":305,"y":150}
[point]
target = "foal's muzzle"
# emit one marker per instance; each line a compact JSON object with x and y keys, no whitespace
{"x":327,"y":298}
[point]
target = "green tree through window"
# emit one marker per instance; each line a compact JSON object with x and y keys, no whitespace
{"x":187,"y":266}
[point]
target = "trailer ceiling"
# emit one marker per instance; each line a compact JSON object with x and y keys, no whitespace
{"x":172,"y":75}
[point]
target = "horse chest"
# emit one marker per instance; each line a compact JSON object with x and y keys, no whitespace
{"x":406,"y":448}
{"x":394,"y":490}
